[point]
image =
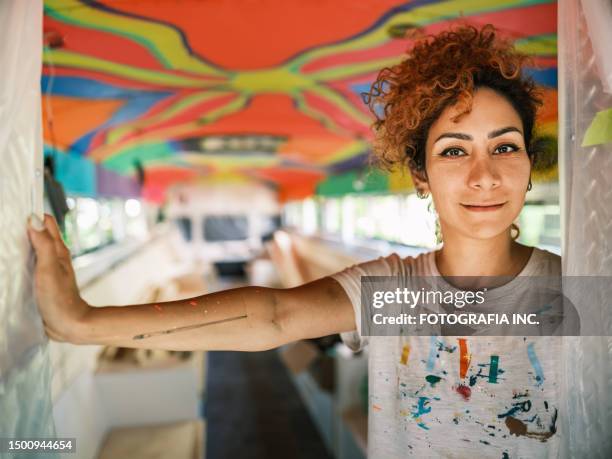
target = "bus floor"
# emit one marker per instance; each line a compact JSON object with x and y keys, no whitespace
{"x":253,"y":410}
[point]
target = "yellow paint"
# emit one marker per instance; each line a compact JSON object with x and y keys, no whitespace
{"x":273,"y":80}
{"x":405,"y":354}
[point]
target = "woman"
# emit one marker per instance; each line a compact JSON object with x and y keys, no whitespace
{"x":459,"y":112}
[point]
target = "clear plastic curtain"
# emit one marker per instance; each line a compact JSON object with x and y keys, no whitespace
{"x":25,"y":399}
{"x":586,"y":185}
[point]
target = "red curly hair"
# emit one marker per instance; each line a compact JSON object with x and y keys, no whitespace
{"x":440,"y":71}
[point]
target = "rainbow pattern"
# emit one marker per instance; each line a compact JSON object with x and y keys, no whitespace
{"x":143,"y":80}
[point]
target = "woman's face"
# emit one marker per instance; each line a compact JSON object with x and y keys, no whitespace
{"x":477,"y":168}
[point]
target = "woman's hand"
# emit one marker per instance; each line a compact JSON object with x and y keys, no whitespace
{"x":57,"y":294}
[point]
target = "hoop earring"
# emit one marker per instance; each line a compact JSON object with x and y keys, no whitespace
{"x":514,"y":226}
{"x":439,"y":238}
{"x":529,"y":185}
{"x":438,"y":228}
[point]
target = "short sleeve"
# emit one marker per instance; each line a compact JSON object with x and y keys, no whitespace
{"x":350,"y":280}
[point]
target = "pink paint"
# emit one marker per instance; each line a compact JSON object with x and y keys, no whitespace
{"x":193,"y":303}
{"x":158,"y":307}
{"x":464,"y":391}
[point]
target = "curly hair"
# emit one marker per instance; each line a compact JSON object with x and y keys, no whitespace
{"x":443,"y":70}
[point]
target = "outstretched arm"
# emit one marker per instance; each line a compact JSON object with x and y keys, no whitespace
{"x":244,"y":319}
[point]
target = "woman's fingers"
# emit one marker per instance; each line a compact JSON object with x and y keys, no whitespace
{"x":49,"y":234}
{"x":53,"y":228}
{"x":42,"y":241}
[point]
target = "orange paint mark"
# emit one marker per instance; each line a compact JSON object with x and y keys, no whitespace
{"x":376,"y":408}
{"x":193,"y":303}
{"x":405,"y":354}
{"x":158,"y":307}
{"x":464,"y":358}
{"x":74,"y":117}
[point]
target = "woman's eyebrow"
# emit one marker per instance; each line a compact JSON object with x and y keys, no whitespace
{"x":501,"y":131}
{"x":490,"y":135}
{"x":455,"y":135}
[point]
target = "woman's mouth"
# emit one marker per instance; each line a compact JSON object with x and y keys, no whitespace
{"x":478,"y":207}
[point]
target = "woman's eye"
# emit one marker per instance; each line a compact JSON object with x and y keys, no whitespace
{"x":507,"y":148}
{"x":452,"y":152}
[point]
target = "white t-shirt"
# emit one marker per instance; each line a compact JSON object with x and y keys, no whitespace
{"x":476,"y":396}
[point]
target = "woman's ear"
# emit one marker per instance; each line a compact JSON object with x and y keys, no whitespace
{"x":419,"y":178}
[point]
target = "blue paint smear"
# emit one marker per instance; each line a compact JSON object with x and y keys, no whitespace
{"x":87,"y":88}
{"x":132,"y":109}
{"x":137,"y":102}
{"x":422,"y":409}
{"x":432,"y":353}
{"x":535,"y":363}
{"x":544,"y":77}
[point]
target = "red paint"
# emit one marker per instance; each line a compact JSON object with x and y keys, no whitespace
{"x":193,"y":303}
{"x":158,"y":307}
{"x":465,"y":391}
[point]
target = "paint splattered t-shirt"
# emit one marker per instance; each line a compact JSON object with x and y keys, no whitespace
{"x":458,"y":397}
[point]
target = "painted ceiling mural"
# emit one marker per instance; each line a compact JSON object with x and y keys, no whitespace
{"x":262,"y":89}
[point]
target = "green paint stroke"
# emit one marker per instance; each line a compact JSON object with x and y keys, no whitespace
{"x":432,"y":379}
{"x":600,"y":130}
{"x":493,"y":369}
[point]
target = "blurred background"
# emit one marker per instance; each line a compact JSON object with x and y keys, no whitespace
{"x":192,"y":146}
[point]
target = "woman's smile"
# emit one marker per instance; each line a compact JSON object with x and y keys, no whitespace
{"x":483,"y":207}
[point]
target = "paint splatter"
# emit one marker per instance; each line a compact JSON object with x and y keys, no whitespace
{"x":517,"y":407}
{"x":405,"y":354}
{"x":376,"y":408}
{"x":464,"y":391}
{"x":464,"y":358}
{"x":422,"y":407}
{"x":158,"y":307}
{"x":432,"y":354}
{"x":445,"y":348}
{"x":493,"y":369}
{"x":535,"y":363}
{"x":518,"y":428}
{"x":193,"y":303}
{"x":432,"y":379}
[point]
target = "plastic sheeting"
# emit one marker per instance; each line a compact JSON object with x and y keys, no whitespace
{"x":25,"y":401}
{"x":586,"y":185}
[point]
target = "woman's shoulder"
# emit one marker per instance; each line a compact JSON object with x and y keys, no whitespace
{"x":418,"y":264}
{"x":544,"y":263}
{"x":392,"y":265}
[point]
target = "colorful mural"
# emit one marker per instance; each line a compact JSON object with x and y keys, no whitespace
{"x":196,"y":89}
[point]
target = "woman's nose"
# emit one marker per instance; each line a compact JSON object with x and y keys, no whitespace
{"x":483,"y":173}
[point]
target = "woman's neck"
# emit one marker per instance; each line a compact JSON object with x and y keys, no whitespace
{"x":497,"y":256}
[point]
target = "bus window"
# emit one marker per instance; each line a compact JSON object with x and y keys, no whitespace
{"x":226,"y":228}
